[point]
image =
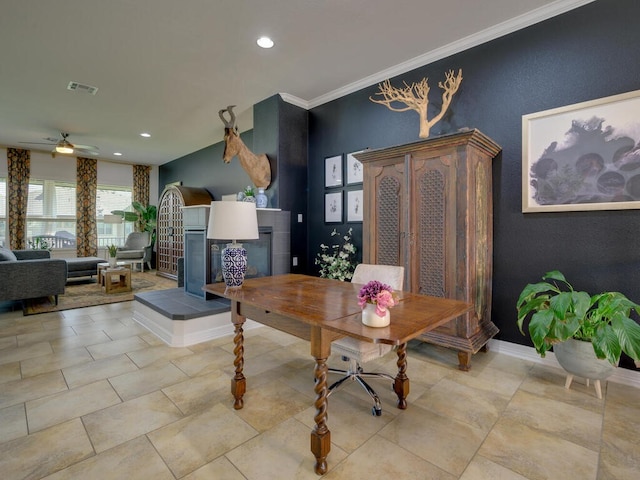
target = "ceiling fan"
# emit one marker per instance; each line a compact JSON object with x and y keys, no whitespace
{"x":63,"y":145}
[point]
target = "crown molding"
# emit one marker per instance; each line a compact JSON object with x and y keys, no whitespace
{"x":497,"y":31}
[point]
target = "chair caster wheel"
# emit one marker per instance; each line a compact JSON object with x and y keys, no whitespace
{"x":376,"y":412}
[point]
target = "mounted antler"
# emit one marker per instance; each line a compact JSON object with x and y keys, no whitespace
{"x":416,"y":97}
{"x":232,"y":117}
{"x":257,"y":166}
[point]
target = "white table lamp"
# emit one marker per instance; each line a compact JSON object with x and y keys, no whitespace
{"x":233,"y":221}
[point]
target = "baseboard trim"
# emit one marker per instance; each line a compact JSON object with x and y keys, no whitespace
{"x":621,"y":375}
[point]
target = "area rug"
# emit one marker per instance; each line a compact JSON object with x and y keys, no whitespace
{"x":88,"y":293}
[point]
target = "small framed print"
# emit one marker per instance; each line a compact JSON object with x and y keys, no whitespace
{"x":354,"y":169}
{"x":354,"y":206}
{"x":333,"y":207}
{"x":333,"y":171}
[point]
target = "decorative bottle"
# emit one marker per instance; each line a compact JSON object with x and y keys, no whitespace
{"x":261,"y":199}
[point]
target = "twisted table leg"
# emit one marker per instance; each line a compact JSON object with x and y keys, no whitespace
{"x":320,"y":436}
{"x":238,"y":382}
{"x":401,"y":384}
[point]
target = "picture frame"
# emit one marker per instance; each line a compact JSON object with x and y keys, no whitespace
{"x":354,"y":169}
{"x":584,"y":156}
{"x":354,"y":206}
{"x":333,"y":207}
{"x":333,"y":171}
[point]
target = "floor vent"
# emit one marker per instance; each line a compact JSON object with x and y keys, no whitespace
{"x":81,"y":87}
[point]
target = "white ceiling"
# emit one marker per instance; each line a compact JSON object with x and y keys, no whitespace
{"x":166,"y":66}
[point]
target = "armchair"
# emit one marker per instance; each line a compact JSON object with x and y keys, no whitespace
{"x":136,"y":249}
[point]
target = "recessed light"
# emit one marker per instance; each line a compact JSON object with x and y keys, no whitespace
{"x":265,"y":42}
{"x":117,"y":154}
{"x":145,"y":134}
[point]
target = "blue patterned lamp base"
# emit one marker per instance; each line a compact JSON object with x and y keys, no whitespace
{"x":234,"y":265}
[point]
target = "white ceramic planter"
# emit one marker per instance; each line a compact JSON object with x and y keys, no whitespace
{"x":371,"y":319}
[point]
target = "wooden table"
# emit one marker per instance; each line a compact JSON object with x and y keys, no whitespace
{"x":123,"y":279}
{"x":322,"y":310}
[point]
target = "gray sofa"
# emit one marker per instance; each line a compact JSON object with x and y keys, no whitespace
{"x":27,"y":274}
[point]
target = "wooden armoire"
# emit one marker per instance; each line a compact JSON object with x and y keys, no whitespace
{"x":170,"y":226}
{"x":428,"y":206}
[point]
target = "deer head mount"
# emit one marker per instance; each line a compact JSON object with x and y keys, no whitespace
{"x":416,"y":97}
{"x":256,"y":166}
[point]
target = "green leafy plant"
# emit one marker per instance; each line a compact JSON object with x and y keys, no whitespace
{"x":146,"y":217}
{"x":248,"y":192}
{"x":337,"y":261}
{"x":557,"y":312}
{"x":39,"y":243}
{"x":112,"y":250}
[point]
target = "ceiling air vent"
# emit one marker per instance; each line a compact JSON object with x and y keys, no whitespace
{"x":81,"y":87}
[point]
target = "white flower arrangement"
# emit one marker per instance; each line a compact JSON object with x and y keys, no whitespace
{"x":337,"y":261}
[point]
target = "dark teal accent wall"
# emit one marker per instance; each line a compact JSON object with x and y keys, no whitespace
{"x":585,"y":54}
{"x":205,"y":168}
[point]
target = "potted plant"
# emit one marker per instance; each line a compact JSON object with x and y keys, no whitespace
{"x":113,"y":250}
{"x":338,"y":261}
{"x":562,"y":318}
{"x":376,"y":298}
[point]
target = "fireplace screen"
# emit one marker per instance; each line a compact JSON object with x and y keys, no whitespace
{"x":258,"y":256}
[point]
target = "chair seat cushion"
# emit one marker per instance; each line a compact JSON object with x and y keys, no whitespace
{"x":359,"y":350}
{"x":124,"y":254}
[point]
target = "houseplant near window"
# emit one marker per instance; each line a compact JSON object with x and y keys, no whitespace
{"x":560,"y":314}
{"x":112,"y":249}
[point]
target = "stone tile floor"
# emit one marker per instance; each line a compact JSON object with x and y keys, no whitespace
{"x":89,"y":394}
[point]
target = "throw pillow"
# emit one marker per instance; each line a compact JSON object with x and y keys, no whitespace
{"x":6,"y":255}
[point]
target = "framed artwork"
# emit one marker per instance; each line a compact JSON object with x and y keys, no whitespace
{"x":333,"y":207}
{"x":584,"y":156}
{"x":333,"y":171}
{"x":354,"y":206}
{"x":354,"y":169}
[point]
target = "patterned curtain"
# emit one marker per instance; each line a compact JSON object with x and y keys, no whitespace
{"x":19,"y":166}
{"x":86,"y":190}
{"x":141,"y":187}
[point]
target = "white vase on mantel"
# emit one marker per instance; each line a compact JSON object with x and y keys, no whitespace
{"x":371,"y":319}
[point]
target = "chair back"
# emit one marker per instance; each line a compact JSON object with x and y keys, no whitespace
{"x":138,"y":241}
{"x":392,"y":275}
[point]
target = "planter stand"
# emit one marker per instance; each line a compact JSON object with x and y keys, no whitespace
{"x":596,"y":383}
{"x":578,"y":359}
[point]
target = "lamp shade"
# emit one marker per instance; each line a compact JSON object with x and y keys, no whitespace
{"x":233,"y":221}
{"x":112,"y":219}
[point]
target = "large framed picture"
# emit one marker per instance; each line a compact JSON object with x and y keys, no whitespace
{"x":333,"y":207}
{"x":354,"y":169}
{"x":354,"y":206}
{"x":584,"y":156}
{"x":333,"y":171}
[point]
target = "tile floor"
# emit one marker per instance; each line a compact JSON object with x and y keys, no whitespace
{"x":88,"y":394}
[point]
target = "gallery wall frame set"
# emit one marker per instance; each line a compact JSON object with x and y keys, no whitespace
{"x":584,"y":156}
{"x":338,"y":174}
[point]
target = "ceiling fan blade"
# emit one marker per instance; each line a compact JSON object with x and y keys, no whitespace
{"x":89,"y":148}
{"x":38,"y":143}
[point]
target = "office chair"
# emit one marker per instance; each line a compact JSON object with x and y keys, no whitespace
{"x":357,"y":351}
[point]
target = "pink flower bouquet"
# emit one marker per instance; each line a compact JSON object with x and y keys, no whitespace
{"x":377,"y":293}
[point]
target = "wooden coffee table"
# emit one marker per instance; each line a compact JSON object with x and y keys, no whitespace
{"x":105,"y":265}
{"x":117,"y":279}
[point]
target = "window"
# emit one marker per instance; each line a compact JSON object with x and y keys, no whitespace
{"x":51,"y":213}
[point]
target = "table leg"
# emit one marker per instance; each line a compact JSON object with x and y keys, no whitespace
{"x":238,"y":382}
{"x":320,"y":436}
{"x":401,"y":384}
